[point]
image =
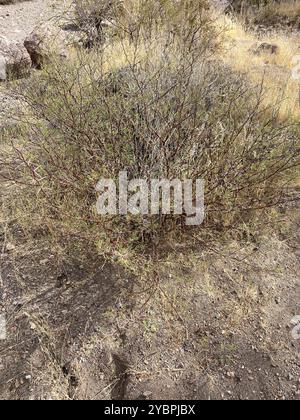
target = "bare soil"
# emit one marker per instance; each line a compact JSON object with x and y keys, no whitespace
{"x":217,"y":324}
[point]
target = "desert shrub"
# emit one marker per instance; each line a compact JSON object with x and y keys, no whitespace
{"x":239,"y":5}
{"x":160,"y":108}
{"x":279,"y":14}
{"x":92,"y":16}
{"x":140,"y":18}
{"x":269,"y":12}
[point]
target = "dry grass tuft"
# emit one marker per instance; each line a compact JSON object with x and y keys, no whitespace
{"x":275,"y":70}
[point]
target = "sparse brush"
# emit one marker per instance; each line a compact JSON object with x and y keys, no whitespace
{"x":159,"y":108}
{"x":279,"y":14}
{"x":269,"y":13}
{"x":92,"y":16}
{"x":140,"y":18}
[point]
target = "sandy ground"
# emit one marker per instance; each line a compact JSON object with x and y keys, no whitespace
{"x":18,"y":20}
{"x":217,"y":325}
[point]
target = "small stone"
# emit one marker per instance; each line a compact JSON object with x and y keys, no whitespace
{"x":147,"y":394}
{"x":14,"y":59}
{"x":265,"y":48}
{"x":10,"y":247}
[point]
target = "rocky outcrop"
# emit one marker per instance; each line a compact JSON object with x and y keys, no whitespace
{"x":46,"y":41}
{"x":15,"y":61}
{"x":265,"y":48}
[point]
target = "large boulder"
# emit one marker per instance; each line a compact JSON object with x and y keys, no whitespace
{"x":15,"y":61}
{"x":44,"y":42}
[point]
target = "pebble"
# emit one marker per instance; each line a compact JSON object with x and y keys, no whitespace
{"x":10,"y":247}
{"x":147,"y":394}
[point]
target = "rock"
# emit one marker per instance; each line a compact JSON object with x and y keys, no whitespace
{"x":46,"y":41}
{"x":10,"y":247}
{"x":265,"y":48}
{"x":15,"y":61}
{"x":32,"y":326}
{"x":295,"y":321}
{"x":147,"y":394}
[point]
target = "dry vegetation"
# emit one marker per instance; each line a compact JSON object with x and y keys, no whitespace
{"x":156,"y":100}
{"x":278,"y":14}
{"x":275,"y":69}
{"x":164,"y":89}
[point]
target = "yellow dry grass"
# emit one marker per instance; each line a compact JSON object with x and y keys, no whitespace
{"x":275,"y":69}
{"x":288,"y":8}
{"x":285,"y":9}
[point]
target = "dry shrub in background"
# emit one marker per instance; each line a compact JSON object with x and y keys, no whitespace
{"x":140,"y":18}
{"x":269,"y":13}
{"x":92,"y":17}
{"x":279,"y":14}
{"x":158,"y":105}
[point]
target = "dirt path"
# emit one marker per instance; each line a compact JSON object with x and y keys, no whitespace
{"x":18,"y":20}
